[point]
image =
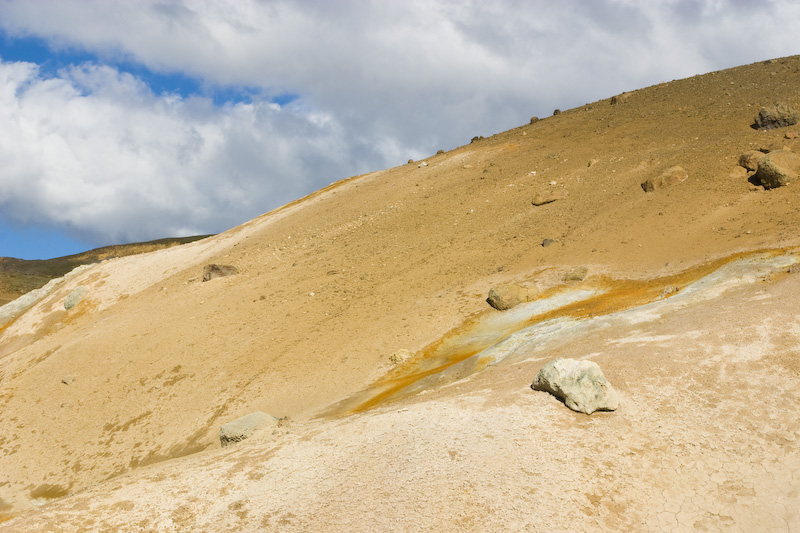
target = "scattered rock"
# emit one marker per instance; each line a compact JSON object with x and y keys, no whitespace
{"x":67,"y":380}
{"x":423,"y":164}
{"x":244,"y":427}
{"x":75,"y":297}
{"x":534,"y":120}
{"x":592,"y":162}
{"x":476,"y":138}
{"x":576,"y":274}
{"x":580,"y":384}
{"x":777,"y":169}
{"x":556,"y":112}
{"x":749,"y":160}
{"x":509,"y":295}
{"x":671,"y":176}
{"x":776,"y":116}
{"x":790,"y":135}
{"x":410,"y":161}
{"x":439,"y":152}
{"x":547,"y":242}
{"x":400,"y":356}
{"x":218,"y":271}
{"x":549,"y":196}
{"x":793,"y":269}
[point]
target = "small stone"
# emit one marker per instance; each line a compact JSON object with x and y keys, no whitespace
{"x":749,"y":160}
{"x":549,"y":196}
{"x":671,"y":176}
{"x":212,"y":271}
{"x":576,"y":274}
{"x":244,"y":427}
{"x":75,"y":297}
{"x":509,"y":295}
{"x":547,"y":242}
{"x":790,"y":135}
{"x":534,"y":120}
{"x":400,"y":356}
{"x":423,"y":164}
{"x":68,"y":380}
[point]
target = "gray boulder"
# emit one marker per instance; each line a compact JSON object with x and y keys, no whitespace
{"x":244,"y":427}
{"x":218,"y":271}
{"x":777,"y":169}
{"x":580,"y":384}
{"x":776,"y":116}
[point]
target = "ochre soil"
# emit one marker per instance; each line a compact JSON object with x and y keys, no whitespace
{"x":706,"y":437}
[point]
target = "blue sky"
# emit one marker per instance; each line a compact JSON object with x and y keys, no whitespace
{"x":137,"y":120}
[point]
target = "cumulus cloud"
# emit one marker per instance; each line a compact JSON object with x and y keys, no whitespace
{"x":378,"y":82}
{"x":96,"y":151}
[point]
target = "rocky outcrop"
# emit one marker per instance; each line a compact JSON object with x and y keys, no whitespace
{"x":218,"y":271}
{"x":581,"y":385}
{"x":671,"y":176}
{"x":777,"y":169}
{"x":244,"y":427}
{"x":776,"y":116}
{"x":509,"y":295}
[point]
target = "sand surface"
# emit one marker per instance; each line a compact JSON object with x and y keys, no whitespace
{"x":110,"y":411}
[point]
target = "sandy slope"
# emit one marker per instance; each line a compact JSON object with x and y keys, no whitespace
{"x":331,"y":286}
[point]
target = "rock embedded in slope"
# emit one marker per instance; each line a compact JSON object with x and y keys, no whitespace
{"x":548,"y":196}
{"x":244,"y":427}
{"x":668,"y":178}
{"x":580,"y":384}
{"x":75,"y":297}
{"x":776,"y":116}
{"x":509,"y":295}
{"x":576,"y":274}
{"x":218,"y":271}
{"x":777,"y":169}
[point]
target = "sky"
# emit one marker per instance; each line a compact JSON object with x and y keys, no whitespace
{"x":132,"y":120}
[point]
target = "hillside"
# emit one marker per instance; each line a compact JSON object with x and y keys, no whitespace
{"x":19,"y":276}
{"x":110,"y":411}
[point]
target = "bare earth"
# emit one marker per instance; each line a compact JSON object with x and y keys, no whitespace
{"x":110,"y":411}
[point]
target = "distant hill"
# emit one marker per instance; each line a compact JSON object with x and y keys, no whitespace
{"x":19,"y":276}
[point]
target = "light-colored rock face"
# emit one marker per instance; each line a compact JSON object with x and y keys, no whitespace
{"x":332,"y":286}
{"x":244,"y":427}
{"x":580,"y":384}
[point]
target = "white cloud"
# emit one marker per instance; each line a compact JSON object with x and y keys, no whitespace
{"x":378,"y":82}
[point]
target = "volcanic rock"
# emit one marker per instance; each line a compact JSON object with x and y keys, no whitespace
{"x":580,"y":384}
{"x":776,"y":116}
{"x":777,"y":169}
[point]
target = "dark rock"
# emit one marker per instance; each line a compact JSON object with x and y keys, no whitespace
{"x":218,"y":271}
{"x":776,"y":116}
{"x":476,"y":138}
{"x":534,"y":120}
{"x":556,"y":112}
{"x":581,"y":385}
{"x":671,"y":176}
{"x":777,"y":169}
